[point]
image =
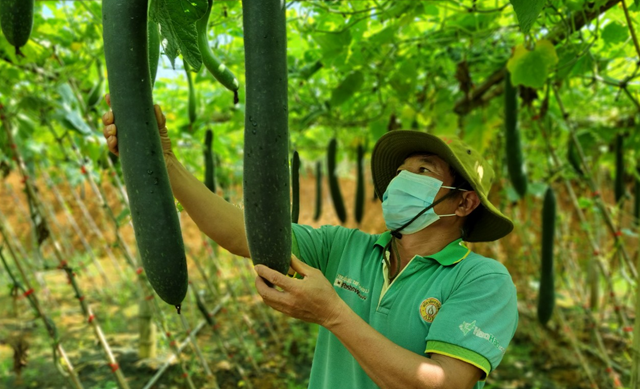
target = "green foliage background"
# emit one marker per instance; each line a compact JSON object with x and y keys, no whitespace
{"x":385,"y":64}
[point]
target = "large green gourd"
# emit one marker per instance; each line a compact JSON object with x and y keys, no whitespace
{"x":266,"y":134}
{"x":155,"y":221}
{"x":546,"y":296}
{"x":209,"y":166}
{"x":192,"y":102}
{"x":334,"y":184}
{"x":359,"y":206}
{"x":295,"y":187}
{"x":318,"y":212}
{"x":16,"y":20}
{"x":515,"y":160}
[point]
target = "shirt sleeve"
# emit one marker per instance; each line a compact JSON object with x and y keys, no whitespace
{"x":313,"y":245}
{"x":477,"y":321}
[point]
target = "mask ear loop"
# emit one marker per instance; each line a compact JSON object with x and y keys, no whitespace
{"x":396,"y":233}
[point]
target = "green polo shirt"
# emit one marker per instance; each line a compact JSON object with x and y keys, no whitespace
{"x":455,"y":302}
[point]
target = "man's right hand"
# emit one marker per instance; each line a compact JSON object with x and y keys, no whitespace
{"x":110,"y":131}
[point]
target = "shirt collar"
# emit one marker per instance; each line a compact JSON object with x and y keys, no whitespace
{"x":453,"y":253}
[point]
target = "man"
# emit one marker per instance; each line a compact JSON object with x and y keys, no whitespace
{"x":412,"y":307}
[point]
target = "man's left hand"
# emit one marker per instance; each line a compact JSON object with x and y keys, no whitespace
{"x":311,"y":298}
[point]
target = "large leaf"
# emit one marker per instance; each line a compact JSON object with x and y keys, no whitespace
{"x":333,"y":45}
{"x":67,"y":112}
{"x":615,"y":33}
{"x":531,"y":68}
{"x":347,"y":88}
{"x":177,"y":24}
{"x":527,"y":12}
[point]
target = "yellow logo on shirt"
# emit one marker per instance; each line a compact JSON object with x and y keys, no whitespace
{"x":429,"y":309}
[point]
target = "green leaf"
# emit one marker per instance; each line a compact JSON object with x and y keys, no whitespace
{"x":384,"y":36}
{"x":431,"y":9}
{"x":615,"y":33}
{"x":531,"y":68}
{"x":33,"y":103}
{"x":177,"y":24}
{"x":25,"y":125}
{"x":377,"y":129}
{"x":404,"y":78}
{"x":585,"y":202}
{"x":347,"y":88}
{"x":566,"y":63}
{"x":527,"y":12}
{"x":72,"y":121}
{"x":68,"y":98}
{"x":333,"y":45}
{"x":583,"y":65}
{"x":67,"y":112}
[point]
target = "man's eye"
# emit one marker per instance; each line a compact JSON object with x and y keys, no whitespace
{"x":424,"y":169}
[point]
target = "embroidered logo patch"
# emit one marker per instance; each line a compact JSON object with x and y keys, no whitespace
{"x":466,"y":328}
{"x":429,"y":309}
{"x":351,"y":285}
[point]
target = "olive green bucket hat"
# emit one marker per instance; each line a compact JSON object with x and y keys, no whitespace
{"x":393,"y":147}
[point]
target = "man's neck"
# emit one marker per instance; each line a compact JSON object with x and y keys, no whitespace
{"x":424,"y":243}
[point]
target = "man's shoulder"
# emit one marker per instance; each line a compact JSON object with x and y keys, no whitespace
{"x":480,"y":265}
{"x":338,"y":233}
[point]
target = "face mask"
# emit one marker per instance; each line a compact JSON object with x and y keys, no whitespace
{"x":407,"y":204}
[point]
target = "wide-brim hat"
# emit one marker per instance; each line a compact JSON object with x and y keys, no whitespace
{"x":395,"y":146}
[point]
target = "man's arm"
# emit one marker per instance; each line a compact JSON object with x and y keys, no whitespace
{"x":313,"y":299}
{"x":391,"y":366}
{"x":217,"y":218}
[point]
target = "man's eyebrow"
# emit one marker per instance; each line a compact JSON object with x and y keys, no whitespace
{"x":429,"y":159}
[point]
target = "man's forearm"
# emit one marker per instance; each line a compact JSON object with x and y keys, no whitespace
{"x":389,"y":365}
{"x":217,"y":218}
{"x":386,"y":363}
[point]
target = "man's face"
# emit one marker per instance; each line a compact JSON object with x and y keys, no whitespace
{"x":428,"y":165}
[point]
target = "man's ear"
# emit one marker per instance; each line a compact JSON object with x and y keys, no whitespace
{"x":468,"y":203}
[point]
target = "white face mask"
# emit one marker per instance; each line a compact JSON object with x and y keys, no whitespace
{"x":407,"y":204}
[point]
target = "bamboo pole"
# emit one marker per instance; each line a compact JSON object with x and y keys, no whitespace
{"x":46,"y":293}
{"x":196,"y":348}
{"x":210,"y":319}
{"x":178,"y":349}
{"x":262,"y":309}
{"x":238,"y":333}
{"x":86,"y":309}
{"x":23,"y":214}
{"x":76,"y":228}
{"x":49,"y":325}
{"x":147,"y":331}
{"x":70,"y":251}
{"x":91,"y":223}
{"x":215,"y":292}
{"x":147,"y":296}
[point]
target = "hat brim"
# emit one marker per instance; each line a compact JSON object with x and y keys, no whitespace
{"x":395,"y":146}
